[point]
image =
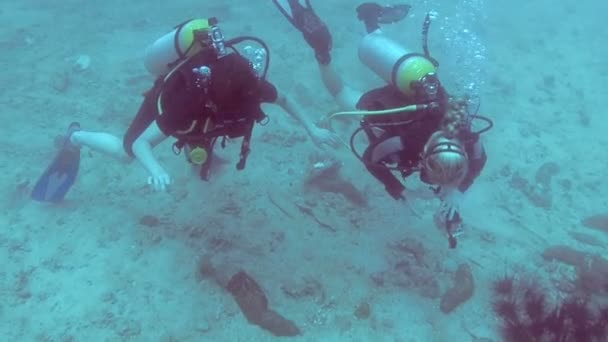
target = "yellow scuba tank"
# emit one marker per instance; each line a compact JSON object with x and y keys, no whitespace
{"x":180,"y":43}
{"x":392,"y":62}
{"x":396,"y":65}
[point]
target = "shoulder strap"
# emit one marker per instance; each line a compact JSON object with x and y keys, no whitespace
{"x":245,"y":147}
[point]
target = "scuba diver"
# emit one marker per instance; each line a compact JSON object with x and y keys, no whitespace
{"x":206,"y":90}
{"x":412,"y":124}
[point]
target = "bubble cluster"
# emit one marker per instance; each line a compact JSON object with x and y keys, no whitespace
{"x":456,"y":119}
{"x":257,"y":57}
{"x":457,"y":33}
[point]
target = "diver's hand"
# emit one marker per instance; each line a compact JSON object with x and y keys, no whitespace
{"x":321,"y":137}
{"x":159,"y":180}
{"x":447,"y":216}
{"x":448,"y":220}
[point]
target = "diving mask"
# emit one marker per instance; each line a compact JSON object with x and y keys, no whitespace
{"x":444,"y":160}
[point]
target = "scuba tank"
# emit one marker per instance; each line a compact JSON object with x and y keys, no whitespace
{"x":174,"y":46}
{"x":394,"y":63}
{"x":192,"y":36}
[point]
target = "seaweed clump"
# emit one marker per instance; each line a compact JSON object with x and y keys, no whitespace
{"x":527,"y":315}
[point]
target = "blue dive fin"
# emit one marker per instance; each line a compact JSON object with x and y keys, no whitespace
{"x":59,"y":177}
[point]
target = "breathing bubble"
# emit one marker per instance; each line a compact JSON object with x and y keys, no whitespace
{"x":464,"y":49}
{"x":257,"y":57}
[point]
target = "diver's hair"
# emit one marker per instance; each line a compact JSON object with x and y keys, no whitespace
{"x":455,"y":120}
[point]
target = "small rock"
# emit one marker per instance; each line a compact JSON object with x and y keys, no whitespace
{"x":428,"y":287}
{"x":203,"y":326}
{"x":60,"y":81}
{"x":461,"y":291}
{"x":82,"y":63}
{"x":343,"y":323}
{"x":305,"y":287}
{"x":363,"y":310}
{"x":129,"y":328}
{"x":545,"y":173}
{"x":586,"y":239}
{"x":598,"y":222}
{"x":378,"y":278}
{"x":566,"y":255}
{"x":149,"y":220}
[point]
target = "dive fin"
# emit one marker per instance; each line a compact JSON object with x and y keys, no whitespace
{"x":293,"y":9}
{"x":393,"y":13}
{"x":373,"y":14}
{"x":60,"y":175}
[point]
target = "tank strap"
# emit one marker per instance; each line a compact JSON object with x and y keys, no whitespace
{"x":245,"y":147}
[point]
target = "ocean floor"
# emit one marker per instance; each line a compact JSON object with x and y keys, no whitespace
{"x":339,"y":258}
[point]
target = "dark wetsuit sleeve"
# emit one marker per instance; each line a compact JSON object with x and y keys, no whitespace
{"x":476,"y":164}
{"x":146,"y":114}
{"x":268,"y":92}
{"x":392,"y":185}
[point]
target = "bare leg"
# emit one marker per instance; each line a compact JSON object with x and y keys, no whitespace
{"x":101,"y":142}
{"x":345,"y":96}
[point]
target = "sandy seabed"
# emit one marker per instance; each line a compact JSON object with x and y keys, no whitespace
{"x":117,"y":262}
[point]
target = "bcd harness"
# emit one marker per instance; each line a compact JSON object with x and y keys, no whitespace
{"x":210,"y":122}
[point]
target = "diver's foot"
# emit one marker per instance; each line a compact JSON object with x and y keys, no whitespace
{"x":64,"y":139}
{"x":313,"y":29}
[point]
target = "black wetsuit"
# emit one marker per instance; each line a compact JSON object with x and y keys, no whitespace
{"x":402,"y":140}
{"x":231,"y":100}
